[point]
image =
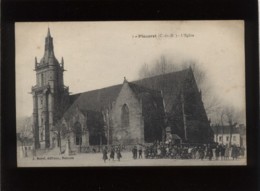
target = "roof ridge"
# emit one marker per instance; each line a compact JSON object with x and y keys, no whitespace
{"x":96,"y":89}
{"x":168,"y":73}
{"x":144,"y":87}
{"x":134,"y":82}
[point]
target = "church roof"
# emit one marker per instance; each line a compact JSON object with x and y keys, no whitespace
{"x":171,"y":84}
{"x":96,"y":100}
{"x":139,"y":90}
{"x":100,"y":99}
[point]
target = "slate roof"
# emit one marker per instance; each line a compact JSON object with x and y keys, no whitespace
{"x":224,"y":129}
{"x":97,"y":100}
{"x":140,"y":90}
{"x":171,"y":84}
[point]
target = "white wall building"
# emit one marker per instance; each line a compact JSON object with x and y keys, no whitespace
{"x":223,"y":135}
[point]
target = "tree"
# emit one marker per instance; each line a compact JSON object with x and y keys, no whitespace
{"x":160,"y":66}
{"x":231,"y":118}
{"x":165,"y":65}
{"x":228,"y":115}
{"x":25,"y":132}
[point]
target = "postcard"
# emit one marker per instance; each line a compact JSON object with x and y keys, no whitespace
{"x":130,"y":93}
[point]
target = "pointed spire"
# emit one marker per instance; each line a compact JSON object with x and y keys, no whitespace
{"x":125,"y":81}
{"x":49,"y":33}
{"x":48,"y":56}
{"x":62,"y":62}
{"x":48,"y":42}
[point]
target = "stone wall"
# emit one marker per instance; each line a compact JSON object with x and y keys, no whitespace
{"x":77,"y":116}
{"x":135,"y":132}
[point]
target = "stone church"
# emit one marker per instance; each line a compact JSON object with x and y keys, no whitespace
{"x":130,"y":113}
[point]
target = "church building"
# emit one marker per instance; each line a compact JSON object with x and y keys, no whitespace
{"x":129,"y":113}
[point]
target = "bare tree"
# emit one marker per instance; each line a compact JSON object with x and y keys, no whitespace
{"x":230,"y":117}
{"x":231,"y":120}
{"x":144,"y":71}
{"x":25,"y":132}
{"x":160,"y":66}
{"x":163,"y":65}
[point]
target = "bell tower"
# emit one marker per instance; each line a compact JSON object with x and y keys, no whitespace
{"x":49,"y":95}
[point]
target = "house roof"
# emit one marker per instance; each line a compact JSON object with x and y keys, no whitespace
{"x":224,"y":130}
{"x":100,"y":99}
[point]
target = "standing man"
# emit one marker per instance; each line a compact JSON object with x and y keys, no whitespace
{"x":210,"y":152}
{"x":112,"y":153}
{"x":105,"y":154}
{"x":140,"y":152}
{"x":118,"y":154}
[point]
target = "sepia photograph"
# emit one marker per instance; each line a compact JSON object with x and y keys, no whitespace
{"x":130,"y":93}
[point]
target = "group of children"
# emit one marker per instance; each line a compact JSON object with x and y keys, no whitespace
{"x":113,"y":151}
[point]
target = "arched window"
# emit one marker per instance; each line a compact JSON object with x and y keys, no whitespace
{"x":125,"y":116}
{"x":78,"y":133}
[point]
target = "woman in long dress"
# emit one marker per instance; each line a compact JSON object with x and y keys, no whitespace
{"x":105,"y":154}
{"x":112,"y":154}
{"x":118,"y":154}
{"x":226,"y":153}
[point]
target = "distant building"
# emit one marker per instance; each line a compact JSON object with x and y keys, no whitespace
{"x":128,"y":113}
{"x":225,"y":135}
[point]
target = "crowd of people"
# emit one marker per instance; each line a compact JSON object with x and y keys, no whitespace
{"x":178,"y":151}
{"x":210,"y":151}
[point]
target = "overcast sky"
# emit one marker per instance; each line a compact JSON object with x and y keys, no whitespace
{"x":100,"y":54}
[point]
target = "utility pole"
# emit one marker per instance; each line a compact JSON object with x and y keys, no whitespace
{"x":184,"y":117}
{"x":108,"y":138}
{"x":222,"y":127}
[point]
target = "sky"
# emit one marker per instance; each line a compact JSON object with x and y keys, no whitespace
{"x":101,"y":54}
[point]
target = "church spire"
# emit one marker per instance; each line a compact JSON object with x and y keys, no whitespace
{"x":49,"y":33}
{"x":49,"y":57}
{"x":49,"y":42}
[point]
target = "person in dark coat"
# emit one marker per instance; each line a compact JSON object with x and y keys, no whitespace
{"x":112,"y":153}
{"x":210,"y":153}
{"x":234,"y":152}
{"x":140,"y":152}
{"x":202,"y":153}
{"x":222,"y":152}
{"x":146,"y":152}
{"x":134,"y":152}
{"x":118,"y":154}
{"x":242,"y":151}
{"x":105,"y":154}
{"x":217,"y":152}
